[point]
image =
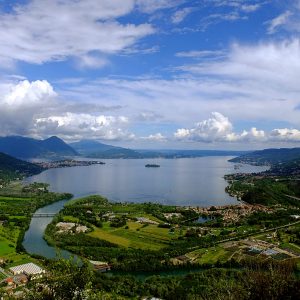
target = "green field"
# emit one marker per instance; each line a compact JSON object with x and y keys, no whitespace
{"x":211,"y":255}
{"x":137,"y":236}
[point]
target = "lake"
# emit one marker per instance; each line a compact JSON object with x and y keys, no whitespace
{"x":184,"y":181}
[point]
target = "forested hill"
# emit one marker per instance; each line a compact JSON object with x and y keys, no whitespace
{"x":95,"y":149}
{"x":24,"y":147}
{"x":269,"y":156}
{"x":290,"y":168}
{"x":11,"y":167}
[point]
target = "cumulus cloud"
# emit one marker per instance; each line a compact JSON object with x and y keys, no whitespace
{"x":77,"y":126}
{"x":218,"y":128}
{"x":35,"y":109}
{"x":157,"y":137}
{"x":21,"y":103}
{"x":285,"y":134}
{"x":33,"y":33}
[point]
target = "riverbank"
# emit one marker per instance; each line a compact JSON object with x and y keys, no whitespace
{"x":17,"y":204}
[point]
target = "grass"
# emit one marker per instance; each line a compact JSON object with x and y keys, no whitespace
{"x":18,"y":259}
{"x":2,"y":276}
{"x":8,"y":239}
{"x":5,"y":198}
{"x":150,"y":237}
{"x":70,"y":219}
{"x":211,"y":255}
{"x":6,"y":247}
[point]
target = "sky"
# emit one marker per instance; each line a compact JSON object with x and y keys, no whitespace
{"x":156,"y":74}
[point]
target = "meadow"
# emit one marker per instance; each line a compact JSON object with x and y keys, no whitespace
{"x":136,"y":235}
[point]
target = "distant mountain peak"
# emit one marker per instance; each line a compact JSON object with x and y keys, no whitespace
{"x":24,"y":147}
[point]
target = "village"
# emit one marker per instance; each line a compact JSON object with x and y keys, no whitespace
{"x":232,"y":213}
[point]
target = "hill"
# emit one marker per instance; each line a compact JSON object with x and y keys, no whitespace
{"x":289,"y":168}
{"x":96,"y":149}
{"x":24,"y":147}
{"x":11,"y":167}
{"x":269,"y":156}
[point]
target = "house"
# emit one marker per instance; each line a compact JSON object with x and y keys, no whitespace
{"x":29,"y":269}
{"x":20,"y":279}
{"x":143,"y":220}
{"x":100,"y":266}
{"x":10,"y":281}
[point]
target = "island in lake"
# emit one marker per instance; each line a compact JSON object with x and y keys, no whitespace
{"x":152,"y":166}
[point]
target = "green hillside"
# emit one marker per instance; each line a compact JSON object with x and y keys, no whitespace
{"x":11,"y":168}
{"x":269,"y":156}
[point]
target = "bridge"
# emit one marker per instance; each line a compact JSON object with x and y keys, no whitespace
{"x":43,"y":215}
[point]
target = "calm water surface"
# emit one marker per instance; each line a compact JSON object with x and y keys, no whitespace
{"x":190,"y":181}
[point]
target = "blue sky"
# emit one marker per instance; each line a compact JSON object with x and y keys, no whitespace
{"x":207,"y":74}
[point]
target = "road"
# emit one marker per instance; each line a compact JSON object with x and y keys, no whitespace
{"x":292,"y":197}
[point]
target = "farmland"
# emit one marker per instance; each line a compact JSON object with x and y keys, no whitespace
{"x":137,"y":236}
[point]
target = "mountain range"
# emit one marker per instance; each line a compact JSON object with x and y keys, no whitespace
{"x":269,"y":156}
{"x":94,"y":149}
{"x":55,"y":148}
{"x":24,"y":147}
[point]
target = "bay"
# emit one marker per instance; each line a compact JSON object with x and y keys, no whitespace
{"x":185,"y":181}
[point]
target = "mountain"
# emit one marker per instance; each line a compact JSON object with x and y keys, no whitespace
{"x":196,"y":153}
{"x":13,"y":167}
{"x":269,"y":156}
{"x":24,"y":147}
{"x":289,"y":168}
{"x":96,"y":149}
{"x":86,"y":147}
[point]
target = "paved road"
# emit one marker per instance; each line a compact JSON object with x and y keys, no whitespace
{"x":292,"y":197}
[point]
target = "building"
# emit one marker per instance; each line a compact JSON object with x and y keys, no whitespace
{"x":29,"y":269}
{"x":100,"y":266}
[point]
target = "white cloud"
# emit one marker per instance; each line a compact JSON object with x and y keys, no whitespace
{"x":150,"y":6}
{"x":53,"y":30}
{"x":158,"y":137}
{"x":250,"y":7}
{"x":26,"y":94}
{"x":201,"y":54}
{"x":278,"y":22}
{"x":21,"y":103}
{"x":252,"y":135}
{"x":275,"y":64}
{"x":91,"y":62}
{"x":286,"y":135}
{"x":72,"y":126}
{"x":219,"y":129}
{"x":35,"y":109}
{"x":181,"y":14}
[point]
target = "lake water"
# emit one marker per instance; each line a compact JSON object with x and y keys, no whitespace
{"x":197,"y":181}
{"x":186,"y":181}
